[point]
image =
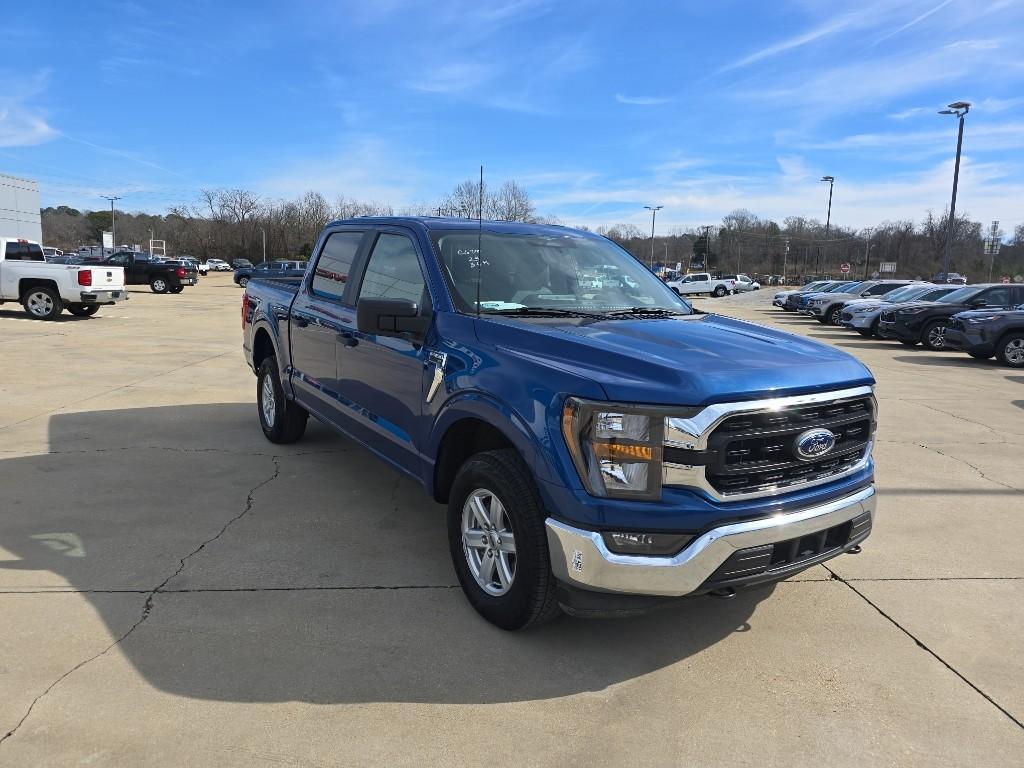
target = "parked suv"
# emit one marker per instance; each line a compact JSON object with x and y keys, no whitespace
{"x":862,"y":315}
{"x":600,"y":450}
{"x":983,"y":333}
{"x":827,"y":308}
{"x":926,"y":323}
{"x":276,"y":269}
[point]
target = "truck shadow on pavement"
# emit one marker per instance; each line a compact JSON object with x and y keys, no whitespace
{"x":311,"y":572}
{"x":20,"y":314}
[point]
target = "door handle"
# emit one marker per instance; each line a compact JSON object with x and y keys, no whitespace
{"x":301,"y":322}
{"x":348,"y":339}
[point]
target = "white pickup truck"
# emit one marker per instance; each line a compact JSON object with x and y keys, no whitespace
{"x":45,"y":289}
{"x":702,"y":282}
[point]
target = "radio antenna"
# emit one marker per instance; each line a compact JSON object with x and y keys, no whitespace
{"x":479,"y":240}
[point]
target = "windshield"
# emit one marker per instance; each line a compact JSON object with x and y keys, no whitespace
{"x":906,"y":293}
{"x":960,"y":295}
{"x":566,"y":271}
{"x":843,"y":288}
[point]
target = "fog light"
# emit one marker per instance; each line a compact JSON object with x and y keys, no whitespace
{"x":625,"y":543}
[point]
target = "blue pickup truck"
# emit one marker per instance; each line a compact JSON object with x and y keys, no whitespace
{"x":602,"y":446}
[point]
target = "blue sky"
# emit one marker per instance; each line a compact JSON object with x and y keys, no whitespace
{"x":598,"y":108}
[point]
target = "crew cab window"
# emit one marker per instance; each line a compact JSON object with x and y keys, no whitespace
{"x":332,"y":268}
{"x":393,"y":271}
{"x":878,"y":290}
{"x":24,"y":252}
{"x":122,"y":260}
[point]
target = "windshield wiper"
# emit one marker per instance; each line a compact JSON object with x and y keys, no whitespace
{"x":543,"y":312}
{"x":658,"y":311}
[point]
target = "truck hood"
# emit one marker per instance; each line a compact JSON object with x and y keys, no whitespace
{"x":694,"y":360}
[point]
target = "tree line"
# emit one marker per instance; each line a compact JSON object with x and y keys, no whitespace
{"x":235,"y":223}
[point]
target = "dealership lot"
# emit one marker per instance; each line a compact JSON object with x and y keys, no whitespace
{"x":175,"y":589}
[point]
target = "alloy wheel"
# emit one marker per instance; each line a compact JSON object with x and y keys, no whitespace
{"x":488,"y":542}
{"x":268,"y":401}
{"x":1015,"y":352}
{"x":937,"y":337}
{"x":40,"y":304}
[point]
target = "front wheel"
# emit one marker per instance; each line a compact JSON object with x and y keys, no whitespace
{"x":834,"y":316}
{"x":83,"y":310}
{"x":934,"y":335}
{"x":158,"y":285}
{"x":282,"y":420}
{"x":42,"y":303}
{"x":1011,"y":350}
{"x":498,"y":541}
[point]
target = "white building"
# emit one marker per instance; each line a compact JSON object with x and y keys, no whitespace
{"x":19,"y":208}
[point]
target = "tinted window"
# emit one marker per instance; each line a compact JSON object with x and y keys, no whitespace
{"x":393,"y":271}
{"x":996,"y":297}
{"x":335,"y":261}
{"x":881,"y":288}
{"x":24,"y":252}
{"x":934,"y":294}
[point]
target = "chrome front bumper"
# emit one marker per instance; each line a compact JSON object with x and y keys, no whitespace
{"x":580,"y":558}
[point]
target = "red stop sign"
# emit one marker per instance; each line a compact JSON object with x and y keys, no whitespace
{"x":844,"y":268}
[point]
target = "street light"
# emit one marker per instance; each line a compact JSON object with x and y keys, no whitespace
{"x":654,"y":212}
{"x":828,"y":217}
{"x":960,"y":109}
{"x":264,"y":233}
{"x":113,"y":236}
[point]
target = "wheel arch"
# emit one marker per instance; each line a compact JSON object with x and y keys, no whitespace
{"x":28,"y":283}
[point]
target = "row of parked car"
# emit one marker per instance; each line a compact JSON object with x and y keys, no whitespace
{"x":984,"y":320}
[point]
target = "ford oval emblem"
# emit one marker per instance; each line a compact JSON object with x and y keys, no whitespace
{"x":814,"y":443}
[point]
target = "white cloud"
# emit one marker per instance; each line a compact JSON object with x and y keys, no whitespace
{"x":907,"y":113}
{"x":819,"y":32}
{"x":912,"y":22}
{"x":641,"y":101}
{"x":1000,"y":105}
{"x":21,"y":122}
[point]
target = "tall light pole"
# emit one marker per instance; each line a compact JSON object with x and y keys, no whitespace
{"x":654,"y":212}
{"x":264,"y":233}
{"x":867,"y":249}
{"x":828,"y":217}
{"x":960,"y":109}
{"x":113,"y":236}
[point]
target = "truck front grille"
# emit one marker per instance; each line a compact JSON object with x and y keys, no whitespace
{"x":756,"y":452}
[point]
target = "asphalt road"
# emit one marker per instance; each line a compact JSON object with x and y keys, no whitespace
{"x":175,"y":590}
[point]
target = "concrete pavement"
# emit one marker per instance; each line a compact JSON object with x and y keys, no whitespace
{"x":176,"y":590}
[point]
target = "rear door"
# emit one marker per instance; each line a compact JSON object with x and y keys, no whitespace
{"x":322,"y":310}
{"x":381,"y":376}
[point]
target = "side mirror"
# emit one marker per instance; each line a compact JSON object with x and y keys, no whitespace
{"x":392,"y":317}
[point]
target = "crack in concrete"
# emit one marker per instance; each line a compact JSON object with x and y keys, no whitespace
{"x":148,"y":605}
{"x":1016,"y":721}
{"x":991,"y":429}
{"x":962,"y":461}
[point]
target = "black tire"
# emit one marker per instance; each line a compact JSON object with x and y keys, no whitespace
{"x":530,"y":598}
{"x":158,"y":285}
{"x":933,"y":335}
{"x":243,"y":281}
{"x":83,"y":310}
{"x":720,"y":291}
{"x":1007,"y":350}
{"x":42,"y":303}
{"x":833,"y":316}
{"x":288,"y":422}
{"x":176,"y":288}
{"x":980,"y":355}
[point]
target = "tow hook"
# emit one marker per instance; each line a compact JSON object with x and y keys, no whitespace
{"x":725,"y":593}
{"x":854,"y":550}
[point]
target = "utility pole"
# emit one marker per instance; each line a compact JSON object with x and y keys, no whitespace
{"x":828,"y":218}
{"x":867,"y":247}
{"x":785,"y":260}
{"x":739,"y":254}
{"x":264,"y":233}
{"x":654,"y":212}
{"x":992,"y":244}
{"x":113,"y":235}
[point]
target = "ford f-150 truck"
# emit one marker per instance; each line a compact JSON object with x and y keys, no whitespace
{"x":46,"y":289}
{"x":601,"y":450}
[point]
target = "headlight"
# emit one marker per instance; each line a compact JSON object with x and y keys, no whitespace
{"x":912,"y":310}
{"x":982,"y":319}
{"x":617,"y":449}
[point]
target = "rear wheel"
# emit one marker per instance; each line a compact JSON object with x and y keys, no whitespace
{"x":720,"y":291}
{"x":243,"y":281}
{"x":282,"y":420}
{"x":158,"y":285}
{"x":934,"y":335}
{"x":1010,"y":350}
{"x":42,"y":303}
{"x":83,"y":310}
{"x":498,"y":542}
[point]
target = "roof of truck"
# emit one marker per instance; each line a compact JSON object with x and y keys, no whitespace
{"x":448,"y":222}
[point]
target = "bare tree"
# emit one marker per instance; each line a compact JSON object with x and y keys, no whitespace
{"x":510,"y":203}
